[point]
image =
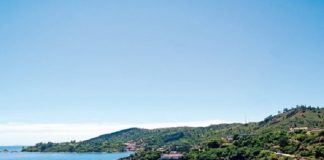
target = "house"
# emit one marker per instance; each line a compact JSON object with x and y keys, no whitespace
{"x":161,"y":149}
{"x":172,"y":156}
{"x":293,"y":130}
{"x":130,"y":146}
{"x":230,"y":139}
{"x":316,"y":130}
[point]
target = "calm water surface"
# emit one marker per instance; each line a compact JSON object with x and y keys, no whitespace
{"x":57,"y":156}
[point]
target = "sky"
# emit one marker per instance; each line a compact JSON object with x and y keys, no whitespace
{"x":76,"y":69}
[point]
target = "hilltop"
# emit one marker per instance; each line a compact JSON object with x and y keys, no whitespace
{"x":193,"y":140}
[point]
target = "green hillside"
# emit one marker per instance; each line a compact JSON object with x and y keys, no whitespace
{"x":265,"y":136}
{"x":297,"y":117}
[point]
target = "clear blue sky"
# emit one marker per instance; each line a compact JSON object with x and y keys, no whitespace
{"x":158,"y":61}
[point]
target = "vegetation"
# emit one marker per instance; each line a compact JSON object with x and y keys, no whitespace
{"x":271,"y":138}
{"x":270,"y":145}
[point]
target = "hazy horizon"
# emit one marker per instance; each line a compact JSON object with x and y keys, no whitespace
{"x":66,"y":132}
{"x":142,"y":63}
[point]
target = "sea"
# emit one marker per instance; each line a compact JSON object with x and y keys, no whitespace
{"x":14,"y":153}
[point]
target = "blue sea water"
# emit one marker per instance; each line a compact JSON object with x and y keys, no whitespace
{"x":56,"y":156}
{"x":11,"y":148}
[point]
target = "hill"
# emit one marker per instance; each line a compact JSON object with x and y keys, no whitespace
{"x":188,"y":140}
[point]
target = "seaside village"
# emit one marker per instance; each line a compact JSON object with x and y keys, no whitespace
{"x":132,"y":146}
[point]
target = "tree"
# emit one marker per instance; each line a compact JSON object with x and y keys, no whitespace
{"x":213,"y":144}
{"x":283,"y":141}
{"x":319,"y":151}
{"x":267,"y":119}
